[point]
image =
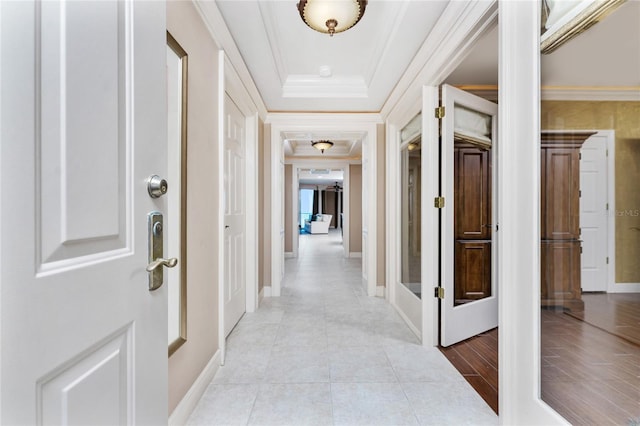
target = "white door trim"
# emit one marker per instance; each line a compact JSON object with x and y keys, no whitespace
{"x":519,"y":216}
{"x":460,"y":26}
{"x":229,"y":82}
{"x":283,"y":122}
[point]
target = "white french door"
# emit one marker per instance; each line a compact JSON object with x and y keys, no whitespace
{"x":234,"y":215}
{"x":459,"y":321}
{"x":83,"y":126}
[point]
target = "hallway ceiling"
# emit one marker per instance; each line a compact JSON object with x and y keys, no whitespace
{"x":285,"y":57}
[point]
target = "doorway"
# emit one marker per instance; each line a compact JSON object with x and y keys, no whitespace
{"x":319,"y":201}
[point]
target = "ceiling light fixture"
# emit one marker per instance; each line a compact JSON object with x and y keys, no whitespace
{"x":331,"y":16}
{"x":322,"y":145}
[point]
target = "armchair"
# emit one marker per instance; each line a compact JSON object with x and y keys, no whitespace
{"x":320,"y":225}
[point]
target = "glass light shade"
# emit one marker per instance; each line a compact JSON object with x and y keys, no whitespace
{"x":322,"y":145}
{"x":322,"y":15}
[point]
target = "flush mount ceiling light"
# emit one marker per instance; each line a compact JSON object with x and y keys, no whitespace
{"x":331,"y":16}
{"x":322,"y":145}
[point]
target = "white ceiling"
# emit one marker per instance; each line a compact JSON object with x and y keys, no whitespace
{"x":285,"y":58}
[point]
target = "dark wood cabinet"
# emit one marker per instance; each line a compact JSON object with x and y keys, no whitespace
{"x":472,"y":222}
{"x":560,"y":219}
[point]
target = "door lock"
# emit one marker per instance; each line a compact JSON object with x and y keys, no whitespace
{"x":156,"y":248}
{"x":156,"y":186}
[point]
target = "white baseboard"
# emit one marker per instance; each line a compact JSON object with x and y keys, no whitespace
{"x":185,"y":407}
{"x":625,"y":288}
{"x":288,"y":255}
{"x":355,"y":254}
{"x":267,"y":290}
{"x":380,"y":291}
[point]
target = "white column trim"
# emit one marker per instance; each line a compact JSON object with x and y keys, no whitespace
{"x":519,"y":217}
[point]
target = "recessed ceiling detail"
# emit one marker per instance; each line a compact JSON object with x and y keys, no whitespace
{"x":345,"y":145}
{"x":311,"y":86}
{"x":284,"y":57}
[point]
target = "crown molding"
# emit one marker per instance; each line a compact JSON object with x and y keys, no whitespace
{"x":578,"y":93}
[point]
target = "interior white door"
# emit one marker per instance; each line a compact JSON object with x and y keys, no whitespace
{"x":461,"y":321}
{"x":593,"y":213}
{"x":234,"y":215}
{"x":83,"y":125}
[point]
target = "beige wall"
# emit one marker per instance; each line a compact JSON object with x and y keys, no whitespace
{"x":624,"y":118}
{"x":355,"y":208}
{"x":288,"y":205}
{"x":265,"y":209}
{"x":185,"y":25}
{"x":380,"y":243}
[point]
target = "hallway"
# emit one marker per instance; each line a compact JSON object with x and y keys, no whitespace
{"x":325,"y":353}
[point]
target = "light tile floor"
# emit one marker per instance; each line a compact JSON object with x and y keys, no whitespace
{"x":324,"y":353}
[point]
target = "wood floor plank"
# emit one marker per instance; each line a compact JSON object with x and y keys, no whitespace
{"x":591,"y":376}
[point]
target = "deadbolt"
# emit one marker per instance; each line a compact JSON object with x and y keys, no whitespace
{"x":156,"y":186}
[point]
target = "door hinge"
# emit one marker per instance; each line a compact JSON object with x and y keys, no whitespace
{"x":580,"y":249}
{"x":579,"y":231}
{"x":607,"y":260}
{"x":607,"y":206}
{"x":439,"y":112}
{"x":438,"y":202}
{"x":438,"y":293}
{"x":607,"y":153}
{"x":580,"y":156}
{"x":580,"y":193}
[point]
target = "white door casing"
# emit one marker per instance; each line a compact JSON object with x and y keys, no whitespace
{"x":594,"y":212}
{"x":83,"y":339}
{"x":465,"y":320}
{"x":234,"y":215}
{"x":283,"y":122}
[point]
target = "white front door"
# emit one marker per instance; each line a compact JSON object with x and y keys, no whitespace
{"x":463,"y":319}
{"x":83,"y":125}
{"x":593,"y":213}
{"x":234,"y":215}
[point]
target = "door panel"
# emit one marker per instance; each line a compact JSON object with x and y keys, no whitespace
{"x":472,"y":175}
{"x":472,"y":269}
{"x":83,"y":339}
{"x":562,"y":194}
{"x":594,"y":213}
{"x":234,"y":237}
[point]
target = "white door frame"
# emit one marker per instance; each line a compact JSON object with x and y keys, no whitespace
{"x":230,"y":83}
{"x":519,"y":217}
{"x":519,"y":232}
{"x":460,"y":26}
{"x":285,"y":122}
{"x":295,"y":197}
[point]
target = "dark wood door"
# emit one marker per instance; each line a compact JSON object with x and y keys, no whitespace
{"x":472,"y":180}
{"x":472,"y":280}
{"x":561,"y":201}
{"x":472,"y":223}
{"x":560,"y":278}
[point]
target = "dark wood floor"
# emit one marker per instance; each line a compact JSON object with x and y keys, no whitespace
{"x":589,"y":375}
{"x":617,"y":313}
{"x":477,"y":360}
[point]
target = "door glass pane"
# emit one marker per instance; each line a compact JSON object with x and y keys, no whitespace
{"x":590,"y":223}
{"x":472,"y":205}
{"x":410,"y":157}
